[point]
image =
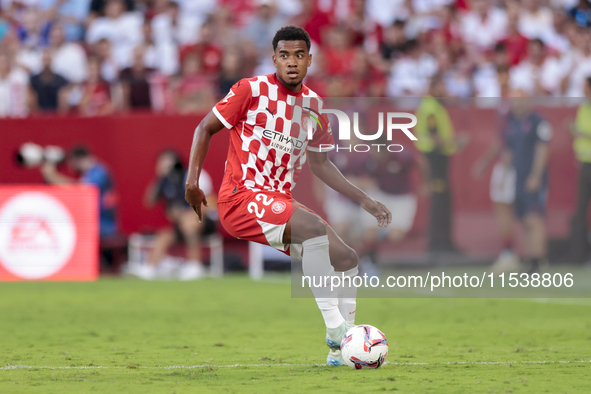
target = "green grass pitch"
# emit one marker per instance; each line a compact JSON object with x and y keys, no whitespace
{"x":234,"y":335}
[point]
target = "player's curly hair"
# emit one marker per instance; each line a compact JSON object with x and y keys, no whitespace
{"x":291,"y":33}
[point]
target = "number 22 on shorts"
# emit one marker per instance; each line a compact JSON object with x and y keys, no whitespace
{"x":254,"y":208}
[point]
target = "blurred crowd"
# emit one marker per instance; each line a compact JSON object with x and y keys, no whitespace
{"x":96,"y":57}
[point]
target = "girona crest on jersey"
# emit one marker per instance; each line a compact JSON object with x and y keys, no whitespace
{"x":278,"y":207}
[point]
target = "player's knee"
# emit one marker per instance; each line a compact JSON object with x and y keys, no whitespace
{"x":314,"y":227}
{"x":349,"y":260}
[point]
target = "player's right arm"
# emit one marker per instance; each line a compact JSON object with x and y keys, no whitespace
{"x":201,"y":139}
{"x":228,"y":112}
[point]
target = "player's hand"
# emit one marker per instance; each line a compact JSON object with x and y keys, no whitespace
{"x":533,"y":183}
{"x":378,"y":210}
{"x":195,"y":197}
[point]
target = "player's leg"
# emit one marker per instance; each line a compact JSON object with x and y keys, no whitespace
{"x":321,"y":260}
{"x":308,"y":229}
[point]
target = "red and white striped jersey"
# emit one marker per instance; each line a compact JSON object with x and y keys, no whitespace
{"x":269,"y":134}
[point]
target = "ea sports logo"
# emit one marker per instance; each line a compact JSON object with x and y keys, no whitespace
{"x":37,"y":235}
{"x":278,"y":207}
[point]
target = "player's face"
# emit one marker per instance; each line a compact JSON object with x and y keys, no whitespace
{"x":292,"y":59}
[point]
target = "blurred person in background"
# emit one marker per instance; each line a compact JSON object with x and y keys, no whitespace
{"x":539,"y":74}
{"x":262,"y":28}
{"x":68,"y":58}
{"x":135,"y":83}
{"x":437,"y":142}
{"x":109,"y":68}
{"x":14,"y":89}
{"x":122,"y":29}
{"x":526,"y":138}
{"x":484,"y":25}
{"x":90,"y":171}
{"x":49,"y":91}
{"x":485,"y":77}
{"x":192,"y":92}
{"x":411,"y":73}
{"x":535,"y":19}
{"x":96,"y":92}
{"x":576,"y":64}
{"x":231,"y":71}
{"x":581,"y":131}
{"x":169,"y":187}
{"x":171,"y":27}
{"x":514,"y":41}
{"x":206,"y":49}
{"x":159,"y":55}
{"x":502,"y":182}
{"x":98,"y":7}
{"x":394,"y":42}
{"x":71,"y":14}
{"x":391,"y":183}
{"x":581,"y":13}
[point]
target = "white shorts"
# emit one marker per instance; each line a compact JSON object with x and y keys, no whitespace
{"x":502,"y":184}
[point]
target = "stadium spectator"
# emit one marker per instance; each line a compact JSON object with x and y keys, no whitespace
{"x":109,"y":68}
{"x":485,"y":77}
{"x":539,"y":74}
{"x":263,"y":27}
{"x":169,"y":187}
{"x":364,"y":31}
{"x":206,"y":49}
{"x":14,"y":85}
{"x":171,"y":27}
{"x":90,"y":171}
{"x":96,"y":92}
{"x":527,"y":136}
{"x":484,"y":25}
{"x":581,"y":131}
{"x":514,"y":42}
{"x":313,"y":20}
{"x":436,"y":140}
{"x":410,"y":74}
{"x":577,"y":64}
{"x":135,"y":83}
{"x":122,"y":29}
{"x":71,"y":14}
{"x":535,"y":19}
{"x":231,"y":71}
{"x":581,"y":13}
{"x":49,"y":91}
{"x":98,"y":7}
{"x":193,"y":92}
{"x":68,"y":58}
{"x":394,"y":42}
{"x":160,"y":55}
{"x":33,"y":30}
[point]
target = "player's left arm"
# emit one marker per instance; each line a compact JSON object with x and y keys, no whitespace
{"x":328,"y":173}
{"x":542,"y":152}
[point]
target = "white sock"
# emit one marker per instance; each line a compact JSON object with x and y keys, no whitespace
{"x":348,"y":297}
{"x":316,"y":264}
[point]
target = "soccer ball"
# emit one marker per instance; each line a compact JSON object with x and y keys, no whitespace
{"x":364,"y":347}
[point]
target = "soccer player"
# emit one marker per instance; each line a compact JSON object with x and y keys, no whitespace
{"x":268,"y":146}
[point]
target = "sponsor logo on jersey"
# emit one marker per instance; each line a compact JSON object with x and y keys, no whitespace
{"x":282,"y":142}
